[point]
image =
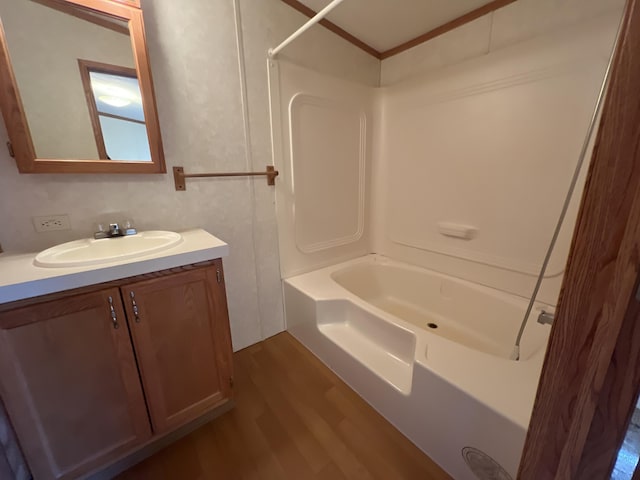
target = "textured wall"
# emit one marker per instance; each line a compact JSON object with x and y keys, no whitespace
{"x":195,"y":62}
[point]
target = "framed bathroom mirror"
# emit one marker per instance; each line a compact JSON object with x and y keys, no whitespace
{"x":77,"y":96}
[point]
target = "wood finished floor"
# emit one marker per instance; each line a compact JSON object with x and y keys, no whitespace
{"x":293,"y":419}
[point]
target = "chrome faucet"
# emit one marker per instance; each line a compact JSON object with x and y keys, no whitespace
{"x":115,"y":231}
{"x":545,"y":318}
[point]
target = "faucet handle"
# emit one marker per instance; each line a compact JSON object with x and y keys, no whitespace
{"x":129,"y":229}
{"x":115,"y":230}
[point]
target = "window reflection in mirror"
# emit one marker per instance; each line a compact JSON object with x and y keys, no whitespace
{"x":115,"y":105}
{"x":67,"y":121}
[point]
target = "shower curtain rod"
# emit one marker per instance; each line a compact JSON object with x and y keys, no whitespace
{"x":312,"y":21}
{"x":515,"y":354}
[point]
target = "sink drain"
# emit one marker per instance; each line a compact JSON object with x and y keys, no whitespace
{"x":432,"y":325}
{"x":483,"y":466}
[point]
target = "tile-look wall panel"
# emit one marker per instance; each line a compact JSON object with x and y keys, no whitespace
{"x":194,"y":58}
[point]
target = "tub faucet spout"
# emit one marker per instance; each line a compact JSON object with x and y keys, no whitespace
{"x":545,"y":318}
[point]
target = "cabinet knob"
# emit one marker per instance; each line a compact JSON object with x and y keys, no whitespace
{"x":134,"y":306}
{"x":114,"y":317}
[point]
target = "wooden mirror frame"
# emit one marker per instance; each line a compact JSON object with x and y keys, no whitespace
{"x":15,"y":119}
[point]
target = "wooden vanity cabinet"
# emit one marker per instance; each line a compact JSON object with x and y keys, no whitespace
{"x":92,"y":376}
{"x":182,"y":354}
{"x":70,"y":383}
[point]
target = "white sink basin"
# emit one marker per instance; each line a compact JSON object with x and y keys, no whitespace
{"x":95,"y":252}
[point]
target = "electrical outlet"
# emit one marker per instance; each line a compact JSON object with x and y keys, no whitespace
{"x":51,"y":222}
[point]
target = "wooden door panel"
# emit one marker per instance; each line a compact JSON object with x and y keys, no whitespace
{"x":590,"y":379}
{"x":181,"y":338}
{"x":70,"y":383}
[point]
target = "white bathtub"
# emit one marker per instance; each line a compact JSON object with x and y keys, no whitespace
{"x":446,"y":388}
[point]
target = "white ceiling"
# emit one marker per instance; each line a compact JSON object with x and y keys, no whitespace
{"x":384,"y":24}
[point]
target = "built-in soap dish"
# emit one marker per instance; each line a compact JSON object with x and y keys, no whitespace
{"x":456,"y":230}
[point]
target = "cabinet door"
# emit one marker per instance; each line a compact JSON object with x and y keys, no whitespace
{"x":180,"y":329}
{"x":69,"y":380}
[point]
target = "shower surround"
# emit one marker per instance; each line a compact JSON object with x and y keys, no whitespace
{"x":413,"y":222}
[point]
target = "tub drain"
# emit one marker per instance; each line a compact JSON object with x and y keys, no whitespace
{"x":483,"y":466}
{"x":432,"y":325}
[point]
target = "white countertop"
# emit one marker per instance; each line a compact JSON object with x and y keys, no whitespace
{"x":20,"y":278}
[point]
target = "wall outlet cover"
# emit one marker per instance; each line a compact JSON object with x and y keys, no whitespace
{"x":51,"y":222}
